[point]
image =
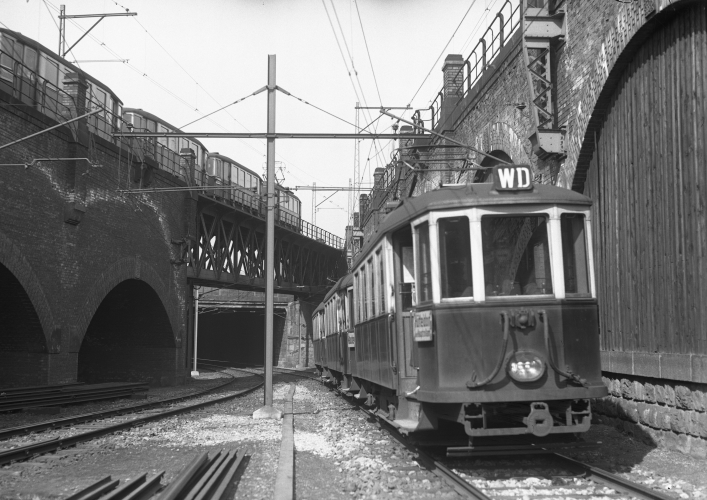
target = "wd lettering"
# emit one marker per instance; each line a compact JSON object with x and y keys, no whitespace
{"x":512,"y":178}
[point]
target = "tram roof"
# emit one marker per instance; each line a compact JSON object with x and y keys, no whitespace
{"x":157,"y":119}
{"x":468,"y":196}
{"x":342,"y":283}
{"x":234,"y":162}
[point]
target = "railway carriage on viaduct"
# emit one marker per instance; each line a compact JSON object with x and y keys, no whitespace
{"x":96,"y":282}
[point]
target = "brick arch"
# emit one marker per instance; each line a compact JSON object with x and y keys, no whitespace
{"x":500,"y":136}
{"x":620,"y":44}
{"x":122,"y":270}
{"x":11,"y":257}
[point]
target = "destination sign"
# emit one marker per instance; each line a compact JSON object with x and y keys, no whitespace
{"x":422,"y":326}
{"x":512,"y":178}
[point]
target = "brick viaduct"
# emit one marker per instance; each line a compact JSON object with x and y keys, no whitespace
{"x":86,"y":283}
{"x":94,"y":281}
{"x":621,"y":88}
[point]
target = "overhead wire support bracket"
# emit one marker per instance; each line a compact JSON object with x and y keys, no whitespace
{"x":51,"y":128}
{"x":437,"y":134}
{"x":276,"y":135}
{"x":62,"y":26}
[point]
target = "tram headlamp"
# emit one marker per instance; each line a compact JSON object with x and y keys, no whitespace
{"x":526,"y":367}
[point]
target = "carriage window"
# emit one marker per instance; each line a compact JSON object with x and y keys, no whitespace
{"x":455,"y":257}
{"x":162,"y":140}
{"x":574,"y":255}
{"x":349,"y":308}
{"x":424,"y":279}
{"x":51,"y":71}
{"x":6,"y":63}
{"x":516,"y":255}
{"x":30,"y":62}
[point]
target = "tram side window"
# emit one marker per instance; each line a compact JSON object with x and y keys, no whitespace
{"x":364,"y":294}
{"x":357,"y":302}
{"x":381,"y":282}
{"x":424,"y":283}
{"x":455,"y":257}
{"x":349,"y":308}
{"x":371,"y":279}
{"x":574,"y":255}
{"x":516,"y":255}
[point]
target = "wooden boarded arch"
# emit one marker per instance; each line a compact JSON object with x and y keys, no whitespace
{"x":648,"y":177}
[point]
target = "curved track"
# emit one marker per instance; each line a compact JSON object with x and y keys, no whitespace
{"x":49,"y":445}
{"x":89,"y":417}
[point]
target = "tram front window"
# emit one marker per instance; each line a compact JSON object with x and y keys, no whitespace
{"x":455,"y":258}
{"x":516,"y":255}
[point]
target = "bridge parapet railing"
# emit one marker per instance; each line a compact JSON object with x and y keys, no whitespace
{"x":26,"y":85}
{"x":23,"y":83}
{"x":505,"y":23}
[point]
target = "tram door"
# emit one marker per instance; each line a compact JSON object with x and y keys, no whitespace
{"x":404,"y":301}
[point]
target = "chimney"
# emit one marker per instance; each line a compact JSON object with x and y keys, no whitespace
{"x":187,"y":160}
{"x":453,"y":71}
{"x":378,"y":178}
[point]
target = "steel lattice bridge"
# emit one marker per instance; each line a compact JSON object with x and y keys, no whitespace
{"x":229,"y":250}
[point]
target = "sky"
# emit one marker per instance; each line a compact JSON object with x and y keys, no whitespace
{"x":182,"y":59}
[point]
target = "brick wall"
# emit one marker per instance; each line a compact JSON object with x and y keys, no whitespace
{"x":65,"y":270}
{"x":601,"y":38}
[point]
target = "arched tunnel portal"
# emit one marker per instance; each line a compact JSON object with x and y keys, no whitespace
{"x":129,"y":338}
{"x":23,"y":347}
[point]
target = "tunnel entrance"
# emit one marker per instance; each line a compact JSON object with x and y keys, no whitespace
{"x":23,"y":348}
{"x":234,"y":338}
{"x":487,"y":175}
{"x":129,"y":339}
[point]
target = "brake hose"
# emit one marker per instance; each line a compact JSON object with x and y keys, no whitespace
{"x":568,"y":374}
{"x":473,"y":384}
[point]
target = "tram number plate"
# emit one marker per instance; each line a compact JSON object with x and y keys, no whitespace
{"x":352,"y":339}
{"x":422,"y":326}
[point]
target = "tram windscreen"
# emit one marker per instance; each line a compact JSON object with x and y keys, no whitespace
{"x":455,"y":257}
{"x":516,"y":255}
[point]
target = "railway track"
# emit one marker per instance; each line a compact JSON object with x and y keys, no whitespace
{"x":552,"y":476}
{"x":104,"y":423}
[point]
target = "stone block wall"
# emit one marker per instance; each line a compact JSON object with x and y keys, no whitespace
{"x":657,"y":411}
{"x":296,"y":342}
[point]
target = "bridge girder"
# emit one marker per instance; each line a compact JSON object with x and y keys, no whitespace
{"x":228,"y":250}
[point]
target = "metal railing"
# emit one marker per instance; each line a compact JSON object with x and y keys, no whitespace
{"x":504,"y":25}
{"x":25,"y":85}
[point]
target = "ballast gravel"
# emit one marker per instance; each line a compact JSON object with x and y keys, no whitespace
{"x":164,"y":445}
{"x":339,"y":453}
